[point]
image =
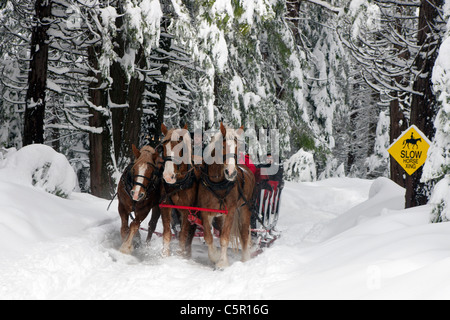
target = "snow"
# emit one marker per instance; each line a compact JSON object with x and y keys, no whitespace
{"x":342,"y":238}
{"x":438,"y":161}
{"x":301,"y":167}
{"x":440,"y":198}
{"x":41,"y":166}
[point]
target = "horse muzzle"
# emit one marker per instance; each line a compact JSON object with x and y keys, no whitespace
{"x":137,"y":196}
{"x":230,"y":176}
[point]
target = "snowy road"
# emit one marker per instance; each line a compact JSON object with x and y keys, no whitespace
{"x":337,"y":243}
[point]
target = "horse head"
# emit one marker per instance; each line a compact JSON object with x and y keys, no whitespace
{"x":176,"y":153}
{"x":231,"y":141}
{"x":145,"y":172}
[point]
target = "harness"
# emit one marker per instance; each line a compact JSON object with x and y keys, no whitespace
{"x":184,"y":184}
{"x":214,"y":187}
{"x":129,"y":180}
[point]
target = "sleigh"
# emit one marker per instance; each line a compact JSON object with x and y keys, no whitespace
{"x":267,"y":209}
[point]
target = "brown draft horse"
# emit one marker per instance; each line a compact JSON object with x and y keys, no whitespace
{"x":227,"y":185}
{"x":179,"y":187}
{"x":139,"y":191}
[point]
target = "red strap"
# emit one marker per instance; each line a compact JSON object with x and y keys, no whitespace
{"x":195,"y":209}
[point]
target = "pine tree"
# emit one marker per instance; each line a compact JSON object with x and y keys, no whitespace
{"x":37,"y":79}
{"x":424,"y":105}
{"x":10,"y":119}
{"x":437,"y":167}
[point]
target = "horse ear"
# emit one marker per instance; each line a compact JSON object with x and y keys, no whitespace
{"x":136,"y":152}
{"x":185,"y":126}
{"x":164,"y":129}
{"x":223,"y":129}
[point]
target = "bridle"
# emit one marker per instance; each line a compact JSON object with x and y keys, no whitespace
{"x":153,"y":180}
{"x":225,"y":185}
{"x":181,"y":184}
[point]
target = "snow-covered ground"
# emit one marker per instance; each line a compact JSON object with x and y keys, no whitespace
{"x":342,"y":238}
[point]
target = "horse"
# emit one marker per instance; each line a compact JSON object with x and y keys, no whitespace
{"x":139,"y":191}
{"x":179,"y":187}
{"x":412,"y":141}
{"x":226,"y":185}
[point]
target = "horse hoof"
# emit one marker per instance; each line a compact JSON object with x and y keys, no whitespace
{"x":221,"y":265}
{"x":184,"y":254}
{"x":126,"y":250}
{"x":246,"y":257}
{"x":165,"y":253}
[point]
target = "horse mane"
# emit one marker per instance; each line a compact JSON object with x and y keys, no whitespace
{"x":147,"y":153}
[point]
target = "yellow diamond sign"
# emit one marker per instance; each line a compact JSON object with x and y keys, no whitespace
{"x":410,"y":149}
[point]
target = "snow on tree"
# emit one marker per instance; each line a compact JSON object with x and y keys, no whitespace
{"x":377,"y":164}
{"x":300,"y":167}
{"x":117,"y":69}
{"x":437,"y":166}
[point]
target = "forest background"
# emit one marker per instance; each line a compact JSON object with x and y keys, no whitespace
{"x":340,"y":80}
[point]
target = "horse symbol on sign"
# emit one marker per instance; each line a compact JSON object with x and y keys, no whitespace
{"x":412,"y":141}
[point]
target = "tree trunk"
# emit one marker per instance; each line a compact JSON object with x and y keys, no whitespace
{"x":160,"y":88}
{"x":37,"y":77}
{"x":398,"y":123}
{"x":118,"y":96}
{"x":398,"y":119}
{"x":132,"y":125}
{"x":101,"y":149}
{"x":423,"y":107}
{"x":119,"y":90}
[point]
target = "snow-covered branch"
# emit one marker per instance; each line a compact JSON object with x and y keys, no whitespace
{"x":327,"y":6}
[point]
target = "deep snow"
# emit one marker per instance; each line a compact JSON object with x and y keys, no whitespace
{"x":342,"y":239}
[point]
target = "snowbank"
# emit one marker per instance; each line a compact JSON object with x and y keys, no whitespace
{"x":34,"y":184}
{"x":341,"y":238}
{"x":383,"y":195}
{"x":28,"y":216}
{"x":39,"y":166}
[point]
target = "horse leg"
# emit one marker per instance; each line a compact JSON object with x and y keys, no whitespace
{"x":212,"y":250}
{"x":191,"y":235}
{"x":127,"y":245}
{"x":124,"y":214}
{"x":186,"y":235}
{"x":166,"y":215}
{"x":184,"y":232}
{"x":225,"y":240}
{"x":245,"y":215}
{"x":156,"y":213}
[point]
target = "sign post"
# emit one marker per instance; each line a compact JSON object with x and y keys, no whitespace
{"x":410,"y":149}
